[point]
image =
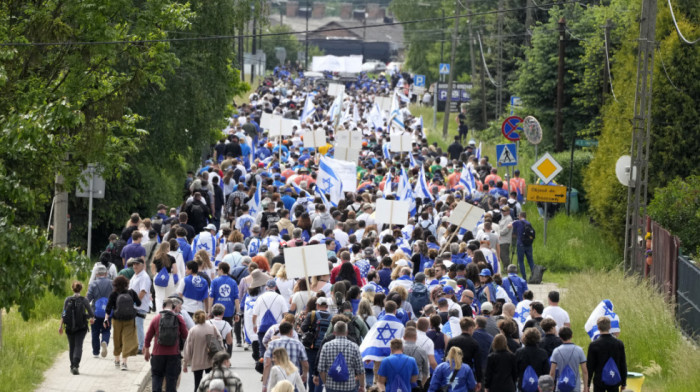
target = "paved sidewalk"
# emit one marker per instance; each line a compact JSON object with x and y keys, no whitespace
{"x":96,"y":374}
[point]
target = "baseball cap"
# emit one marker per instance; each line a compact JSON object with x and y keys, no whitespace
{"x":485,"y":272}
{"x":369,"y":251}
{"x":486,"y":307}
{"x":101,"y":270}
{"x":448,"y":290}
{"x":322,"y":301}
{"x":271,"y":284}
{"x":546,"y":383}
{"x":210,"y":227}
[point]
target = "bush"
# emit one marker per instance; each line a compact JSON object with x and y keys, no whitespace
{"x":676,"y":207}
{"x":581,"y":161}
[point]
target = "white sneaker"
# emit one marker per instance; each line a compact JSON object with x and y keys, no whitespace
{"x":103,"y":352}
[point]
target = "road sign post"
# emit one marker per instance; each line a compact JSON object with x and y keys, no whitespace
{"x":95,"y":189}
{"x":546,"y":169}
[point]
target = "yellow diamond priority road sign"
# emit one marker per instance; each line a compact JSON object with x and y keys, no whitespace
{"x":546,"y":168}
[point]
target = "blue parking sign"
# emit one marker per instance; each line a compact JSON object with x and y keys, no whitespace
{"x":419,"y":80}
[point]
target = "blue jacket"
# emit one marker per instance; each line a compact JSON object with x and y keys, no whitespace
{"x":464,"y":380}
{"x":520,"y":286}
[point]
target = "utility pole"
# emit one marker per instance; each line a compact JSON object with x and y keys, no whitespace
{"x":306,"y":38}
{"x":253,"y":50}
{"x":484,"y":117}
{"x":364,"y":32}
{"x":558,"y":139}
{"x":60,"y":222}
{"x":450,"y":79}
{"x":471,"y":39}
{"x":442,"y":42}
{"x":639,"y":148}
{"x":606,"y":74}
{"x":528,"y":18}
{"x":499,"y":65}
{"x":241,"y":55}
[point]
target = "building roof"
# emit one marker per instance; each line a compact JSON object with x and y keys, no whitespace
{"x":393,"y":34}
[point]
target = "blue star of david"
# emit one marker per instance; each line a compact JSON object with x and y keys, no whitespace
{"x":249,"y":305}
{"x":609,"y":313}
{"x":327,"y":182}
{"x":387,"y":328}
{"x":204,"y":246}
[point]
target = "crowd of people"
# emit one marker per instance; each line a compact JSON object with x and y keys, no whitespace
{"x":425,"y":306}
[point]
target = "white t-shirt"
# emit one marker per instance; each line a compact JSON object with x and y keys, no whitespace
{"x":286,"y":287}
{"x":142,"y":282}
{"x":272,"y":301}
{"x":300,"y":298}
{"x":341,"y":237}
{"x":558,"y":314}
{"x":222,"y":326}
{"x":424,"y":342}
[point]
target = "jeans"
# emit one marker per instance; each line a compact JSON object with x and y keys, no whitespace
{"x":237,"y":331}
{"x":369,"y":377}
{"x":98,"y":330}
{"x":522,"y":251}
{"x":198,"y":377}
{"x":505,"y":257}
{"x":165,"y":367}
{"x":75,"y":347}
{"x":261,"y":335}
{"x":311,"y":356}
{"x":139,"y":330}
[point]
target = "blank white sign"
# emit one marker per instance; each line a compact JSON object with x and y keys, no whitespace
{"x":314,"y":256}
{"x":392,"y":212}
{"x":466,"y":215}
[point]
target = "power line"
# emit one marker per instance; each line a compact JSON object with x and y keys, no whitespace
{"x":607,"y":63}
{"x":678,"y":30}
{"x":227,"y":37}
{"x":666,"y":72}
{"x":571,"y":33}
{"x":483,"y":59}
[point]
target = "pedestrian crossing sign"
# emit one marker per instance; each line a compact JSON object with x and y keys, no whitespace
{"x":507,"y":154}
{"x":444,"y":68}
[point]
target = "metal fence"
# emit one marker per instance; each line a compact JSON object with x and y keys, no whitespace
{"x":664,"y":268}
{"x":688,"y":297}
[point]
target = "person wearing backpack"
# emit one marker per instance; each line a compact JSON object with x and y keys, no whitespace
{"x":453,"y":375}
{"x":526,"y":235}
{"x":121,"y":301}
{"x":565,"y":363}
{"x":165,"y":330}
{"x":340,"y":363}
{"x":98,"y":294}
{"x":268,"y":311}
{"x":397,"y":371}
{"x":531,"y":360}
{"x":314,"y":328}
{"x":606,"y":362}
{"x":419,"y":296}
{"x":76,"y":315}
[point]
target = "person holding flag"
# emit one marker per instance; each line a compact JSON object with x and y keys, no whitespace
{"x":376,"y":344}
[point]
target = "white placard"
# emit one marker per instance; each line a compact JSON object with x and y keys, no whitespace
{"x":346,"y":172}
{"x":466,"y":215}
{"x":313,"y":257}
{"x":346,"y":154}
{"x":335,"y":89}
{"x":349,"y":139}
{"x":384,"y":103}
{"x":288,"y":125}
{"x":271,"y":122}
{"x":314,"y":139}
{"x":401,"y":142}
{"x":392,"y":212}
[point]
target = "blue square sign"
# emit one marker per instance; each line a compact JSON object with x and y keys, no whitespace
{"x":419,"y":80}
{"x":444,"y":69}
{"x":507,"y":154}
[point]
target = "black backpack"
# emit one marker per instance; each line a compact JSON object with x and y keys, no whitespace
{"x":124,"y":310}
{"x":75,"y":315}
{"x":418,"y":298}
{"x":168,"y":329}
{"x":354,"y":331}
{"x":317,"y":330}
{"x":528,"y":234}
{"x":513,"y":206}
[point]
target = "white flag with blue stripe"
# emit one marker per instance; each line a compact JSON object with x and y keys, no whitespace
{"x":466,"y":179}
{"x":336,"y":108}
{"x":309,"y":108}
{"x":405,"y":193}
{"x":422,"y":130}
{"x":376,"y":117}
{"x":451,"y":328}
{"x":412,"y":160}
{"x":396,"y":115}
{"x":356,"y":115}
{"x":478,"y":153}
{"x":328,"y":181}
{"x":421,"y":189}
{"x":604,"y":308}
{"x":386,"y":150}
{"x":387,"y":184}
{"x":254,"y":203}
{"x":375,"y":346}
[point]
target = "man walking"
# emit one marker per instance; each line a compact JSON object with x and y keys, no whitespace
{"x":141,"y":284}
{"x":566,"y":360}
{"x":335,"y":376}
{"x":514,"y":285}
{"x":397,"y":371}
{"x":607,"y":364}
{"x":470,"y":348}
{"x":98,"y":294}
{"x":295,"y":351}
{"x":224,"y":291}
{"x":524,"y":243}
{"x":166,"y":330}
{"x":554,"y":311}
{"x":268,"y":311}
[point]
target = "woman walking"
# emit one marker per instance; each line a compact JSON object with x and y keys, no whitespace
{"x":501,"y":367}
{"x":457,"y":376}
{"x":77,"y":312}
{"x":164,"y":271}
{"x":282,"y":370}
{"x":196,"y":352}
{"x":221,"y":370}
{"x":122,"y":301}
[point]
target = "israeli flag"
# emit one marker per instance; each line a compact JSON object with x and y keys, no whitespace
{"x":375,"y":346}
{"x":522,"y":313}
{"x":467,"y":180}
{"x":324,"y":199}
{"x":254,"y":203}
{"x":387,"y":184}
{"x":346,"y":115}
{"x":386,"y":150}
{"x":421,"y":189}
{"x":296,"y":188}
{"x":335,"y":108}
{"x":376,"y":117}
{"x":451,"y":328}
{"x":412,"y":160}
{"x":396,"y":116}
{"x":328,"y":181}
{"x":309,"y":108}
{"x":422,"y":130}
{"x":404,"y":192}
{"x":478,"y":153}
{"x":604,"y":308}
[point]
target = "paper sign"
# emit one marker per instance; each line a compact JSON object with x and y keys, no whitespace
{"x":349,"y":139}
{"x":288,"y":125}
{"x":271,"y":122}
{"x":302,"y":261}
{"x":392,"y":212}
{"x":401,"y":142}
{"x":466,"y":215}
{"x":346,"y":172}
{"x":314,"y":139}
{"x":346,"y":154}
{"x":384,"y":103}
{"x":335,"y":89}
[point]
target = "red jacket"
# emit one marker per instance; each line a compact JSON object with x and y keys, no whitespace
{"x":336,"y":270}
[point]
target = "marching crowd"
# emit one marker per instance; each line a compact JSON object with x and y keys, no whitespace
{"x":422,"y":306}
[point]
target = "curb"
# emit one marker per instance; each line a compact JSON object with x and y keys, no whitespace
{"x":142,"y":379}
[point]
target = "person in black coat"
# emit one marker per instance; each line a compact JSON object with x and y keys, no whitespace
{"x":599,"y":351}
{"x":469,"y":347}
{"x":509,"y":328}
{"x":531,"y":355}
{"x":501,"y":367}
{"x":550,"y":341}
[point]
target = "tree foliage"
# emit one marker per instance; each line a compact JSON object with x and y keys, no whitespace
{"x":676,"y":207}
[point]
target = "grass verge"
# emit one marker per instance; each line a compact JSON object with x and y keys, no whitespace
{"x":30,"y":347}
{"x":654,"y":345}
